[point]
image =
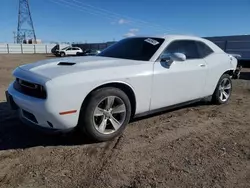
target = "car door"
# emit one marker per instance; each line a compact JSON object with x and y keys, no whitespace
{"x":69,"y":51}
{"x":214,"y":66}
{"x":75,"y":50}
{"x":182,"y":81}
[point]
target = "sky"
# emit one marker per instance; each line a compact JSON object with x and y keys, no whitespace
{"x":108,"y":20}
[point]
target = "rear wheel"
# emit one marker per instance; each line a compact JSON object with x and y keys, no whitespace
{"x":223,"y":90}
{"x":106,"y":114}
{"x":62,"y":54}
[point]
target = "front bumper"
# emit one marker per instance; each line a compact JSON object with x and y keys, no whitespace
{"x":236,"y":73}
{"x":38,"y":113}
{"x":43,"y":129}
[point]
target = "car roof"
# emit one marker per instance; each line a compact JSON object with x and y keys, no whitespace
{"x":184,"y":37}
{"x":172,"y":36}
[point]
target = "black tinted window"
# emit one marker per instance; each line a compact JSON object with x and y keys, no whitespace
{"x":203,"y":49}
{"x":134,"y":48}
{"x":187,"y":47}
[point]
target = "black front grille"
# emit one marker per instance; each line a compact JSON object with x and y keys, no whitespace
{"x":31,"y":89}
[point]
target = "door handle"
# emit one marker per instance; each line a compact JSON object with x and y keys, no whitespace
{"x":202,"y":65}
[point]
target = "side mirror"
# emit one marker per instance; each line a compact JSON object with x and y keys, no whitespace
{"x":173,"y":57}
{"x":179,"y":57}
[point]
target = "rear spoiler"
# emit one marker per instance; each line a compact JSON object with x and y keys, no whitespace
{"x":237,"y":56}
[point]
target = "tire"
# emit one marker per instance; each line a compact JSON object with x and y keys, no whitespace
{"x":62,"y":54}
{"x":105,"y":123}
{"x":224,"y":85}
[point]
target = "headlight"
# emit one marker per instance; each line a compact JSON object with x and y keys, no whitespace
{"x":29,"y":88}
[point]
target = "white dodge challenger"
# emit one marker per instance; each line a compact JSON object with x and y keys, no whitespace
{"x":133,"y":77}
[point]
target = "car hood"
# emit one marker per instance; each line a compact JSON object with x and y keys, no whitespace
{"x":50,"y":68}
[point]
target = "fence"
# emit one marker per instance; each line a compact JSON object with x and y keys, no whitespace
{"x":236,"y":47}
{"x":27,"y":48}
{"x":238,"y":44}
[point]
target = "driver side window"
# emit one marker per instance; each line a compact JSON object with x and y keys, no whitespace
{"x":187,"y":47}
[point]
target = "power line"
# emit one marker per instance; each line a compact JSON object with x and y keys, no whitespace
{"x":109,"y":12}
{"x":118,"y":15}
{"x":106,"y":13}
{"x":80,"y":8}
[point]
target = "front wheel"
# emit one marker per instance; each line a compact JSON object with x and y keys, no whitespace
{"x":106,"y":114}
{"x":223,"y":90}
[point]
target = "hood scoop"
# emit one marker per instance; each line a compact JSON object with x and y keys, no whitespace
{"x":66,"y":63}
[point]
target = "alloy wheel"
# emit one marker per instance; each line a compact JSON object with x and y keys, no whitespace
{"x":109,"y":115}
{"x":225,"y":89}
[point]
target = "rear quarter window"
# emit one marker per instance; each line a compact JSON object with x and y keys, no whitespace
{"x":204,"y":50}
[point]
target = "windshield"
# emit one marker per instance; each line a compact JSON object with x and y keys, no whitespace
{"x":141,"y":49}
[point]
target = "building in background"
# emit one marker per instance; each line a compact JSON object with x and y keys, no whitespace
{"x":32,"y":41}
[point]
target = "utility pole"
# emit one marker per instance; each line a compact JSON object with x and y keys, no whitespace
{"x":25,"y":26}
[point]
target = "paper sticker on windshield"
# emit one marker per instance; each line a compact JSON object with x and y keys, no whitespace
{"x":152,"y":41}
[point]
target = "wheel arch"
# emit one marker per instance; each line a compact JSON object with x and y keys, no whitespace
{"x":229,"y":71}
{"x":126,"y":88}
{"x":215,"y":97}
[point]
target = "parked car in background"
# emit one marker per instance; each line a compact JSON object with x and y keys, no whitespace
{"x":88,"y":52}
{"x":68,"y":51}
{"x":136,"y":76}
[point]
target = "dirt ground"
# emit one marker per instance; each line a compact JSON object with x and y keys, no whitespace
{"x":201,"y":145}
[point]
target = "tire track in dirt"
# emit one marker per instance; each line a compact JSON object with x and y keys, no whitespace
{"x":167,"y":137}
{"x":107,"y":159}
{"x":211,"y":120}
{"x":204,"y":133}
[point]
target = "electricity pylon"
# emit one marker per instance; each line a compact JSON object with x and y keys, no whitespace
{"x":25,"y":28}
